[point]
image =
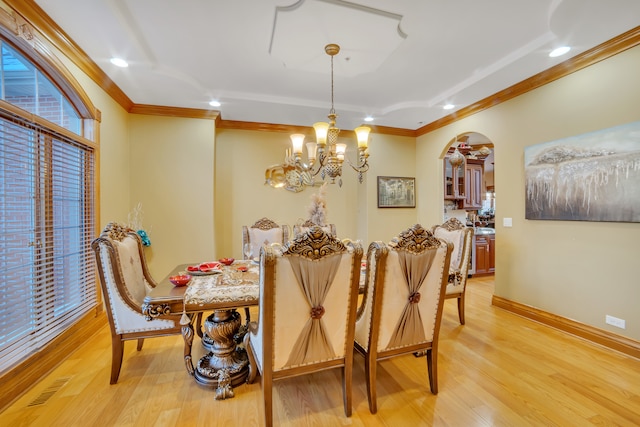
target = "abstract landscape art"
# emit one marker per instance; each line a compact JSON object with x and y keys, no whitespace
{"x":589,"y":177}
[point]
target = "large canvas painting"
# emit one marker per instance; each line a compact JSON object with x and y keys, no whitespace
{"x":589,"y":177}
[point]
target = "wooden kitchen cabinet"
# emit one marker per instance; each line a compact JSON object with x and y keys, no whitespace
{"x":485,"y":254}
{"x":454,"y":180}
{"x":473,"y":174}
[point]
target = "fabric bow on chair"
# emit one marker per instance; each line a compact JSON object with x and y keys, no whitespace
{"x":402,"y":303}
{"x":308,"y":298}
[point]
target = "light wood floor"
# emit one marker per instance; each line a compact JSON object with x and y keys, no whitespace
{"x":497,"y":370}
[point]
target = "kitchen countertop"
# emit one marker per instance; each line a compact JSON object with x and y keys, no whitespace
{"x":484,"y":230}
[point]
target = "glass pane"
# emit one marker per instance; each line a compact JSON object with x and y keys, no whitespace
{"x":18,"y":78}
{"x":70,"y":118}
{"x":28,"y":88}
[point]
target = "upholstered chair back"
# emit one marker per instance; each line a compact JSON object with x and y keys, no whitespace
{"x":402,"y":303}
{"x":125,"y":281}
{"x":461,"y":237}
{"x":302,"y":228}
{"x":403,"y":296}
{"x":308,"y":298}
{"x":264,"y":231}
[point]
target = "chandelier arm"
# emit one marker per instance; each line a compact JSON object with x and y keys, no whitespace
{"x":362,"y":166}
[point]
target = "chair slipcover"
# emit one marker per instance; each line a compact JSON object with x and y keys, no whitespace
{"x":264,"y":231}
{"x":402,"y":303}
{"x":125,"y":281}
{"x":308,"y":298}
{"x":462,"y":238}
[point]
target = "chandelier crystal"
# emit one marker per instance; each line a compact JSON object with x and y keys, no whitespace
{"x":325,"y":157}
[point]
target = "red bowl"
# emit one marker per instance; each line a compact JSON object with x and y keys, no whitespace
{"x":181,"y":280}
{"x":226,"y":261}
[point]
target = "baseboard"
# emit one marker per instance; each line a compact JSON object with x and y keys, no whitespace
{"x":599,"y":336}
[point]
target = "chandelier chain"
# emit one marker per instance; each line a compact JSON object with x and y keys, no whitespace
{"x":332,"y":111}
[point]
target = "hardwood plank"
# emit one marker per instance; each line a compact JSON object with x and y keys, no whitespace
{"x":499,"y":369}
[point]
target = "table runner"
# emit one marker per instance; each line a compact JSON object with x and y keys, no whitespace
{"x":229,"y":286}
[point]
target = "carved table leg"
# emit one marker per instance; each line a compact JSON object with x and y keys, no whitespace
{"x":187,"y":334}
{"x":225,"y":366}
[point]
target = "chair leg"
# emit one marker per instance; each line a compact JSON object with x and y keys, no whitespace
{"x":370,"y":365}
{"x":117,"y":351}
{"x":253,"y":366}
{"x":140,"y":343}
{"x":267,"y":391}
{"x":432,"y":368}
{"x":461,"y":308}
{"x":347,"y":378}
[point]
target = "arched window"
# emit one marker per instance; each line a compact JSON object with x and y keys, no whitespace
{"x":47,"y":200}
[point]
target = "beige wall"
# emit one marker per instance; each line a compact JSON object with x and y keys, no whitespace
{"x":578,"y":270}
{"x":171,"y":161}
{"x":242,"y":198}
{"x":390,"y":156}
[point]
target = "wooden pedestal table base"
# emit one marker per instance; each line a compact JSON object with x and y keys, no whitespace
{"x":225,"y":366}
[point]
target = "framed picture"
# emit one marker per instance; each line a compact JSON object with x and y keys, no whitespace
{"x":396,"y":192}
{"x":589,"y":177}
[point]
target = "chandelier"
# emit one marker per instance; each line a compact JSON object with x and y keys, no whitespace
{"x":325,"y":157}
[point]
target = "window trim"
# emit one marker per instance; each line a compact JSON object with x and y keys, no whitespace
{"x":21,"y":35}
{"x":42,"y":51}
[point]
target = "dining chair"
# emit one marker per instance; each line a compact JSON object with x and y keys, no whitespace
{"x":125,"y":281}
{"x":401,"y":308}
{"x":461,"y":236}
{"x":301,"y":228}
{"x":263,"y":231}
{"x":306,"y":315}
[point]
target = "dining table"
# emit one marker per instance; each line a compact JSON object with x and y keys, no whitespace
{"x":222,"y":292}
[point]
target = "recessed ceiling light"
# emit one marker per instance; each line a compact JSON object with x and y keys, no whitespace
{"x":368,"y":119}
{"x":119,"y":62}
{"x":559,"y":51}
{"x":449,"y":107}
{"x":214,"y":103}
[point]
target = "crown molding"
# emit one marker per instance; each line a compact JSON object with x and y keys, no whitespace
{"x":159,"y":110}
{"x":599,"y":53}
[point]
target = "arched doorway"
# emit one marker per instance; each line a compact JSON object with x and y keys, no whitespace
{"x":469,"y":192}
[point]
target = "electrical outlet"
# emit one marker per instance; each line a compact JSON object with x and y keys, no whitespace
{"x":614,"y":321}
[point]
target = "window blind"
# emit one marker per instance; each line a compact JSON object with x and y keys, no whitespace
{"x":47,"y":276}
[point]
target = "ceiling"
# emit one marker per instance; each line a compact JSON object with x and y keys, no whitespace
{"x":400,"y":62}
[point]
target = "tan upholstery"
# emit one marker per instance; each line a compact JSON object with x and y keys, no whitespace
{"x":263,"y":231}
{"x":308,"y":299}
{"x":302,"y":228}
{"x":402,"y":303}
{"x":125,"y":281}
{"x":462,"y":238}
